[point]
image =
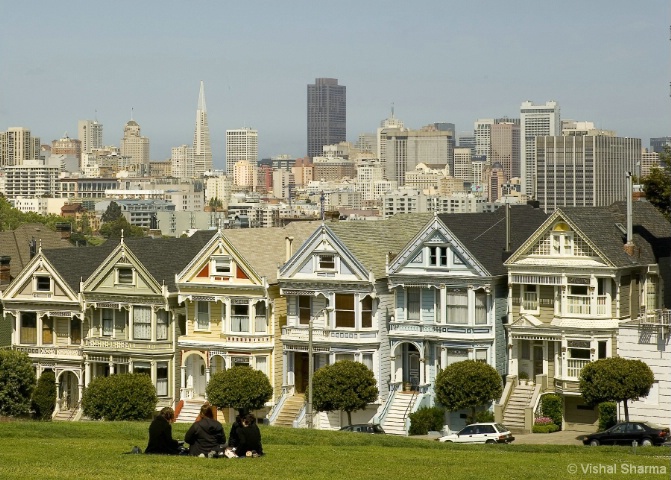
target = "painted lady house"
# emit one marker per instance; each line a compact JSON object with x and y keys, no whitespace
{"x":335,"y":285}
{"x":581,"y":276}
{"x":450,"y":303}
{"x":232,"y":307}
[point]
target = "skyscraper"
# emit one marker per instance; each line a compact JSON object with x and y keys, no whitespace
{"x":136,"y":147}
{"x":535,"y":121}
{"x":505,"y":147}
{"x":327,"y":114}
{"x":202,"y":150}
{"x":241,"y":144}
{"x":18,"y":145}
{"x":90,"y":133}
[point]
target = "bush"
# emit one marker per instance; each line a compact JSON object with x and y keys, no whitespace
{"x":607,"y":415}
{"x":129,"y":396}
{"x":43,"y":401}
{"x":543,"y":421}
{"x":550,"y":428}
{"x":17,"y":382}
{"x":551,"y":406}
{"x":523,"y":375}
{"x":426,"y":419}
{"x":481,"y":417}
{"x":242,"y":388}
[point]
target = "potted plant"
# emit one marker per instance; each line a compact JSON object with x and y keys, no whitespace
{"x":524,"y":378}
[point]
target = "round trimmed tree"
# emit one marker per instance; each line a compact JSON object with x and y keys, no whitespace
{"x":615,"y":379}
{"x":468,"y":384}
{"x":128,"y":396}
{"x":43,"y":401}
{"x":242,"y":388}
{"x":344,"y":386}
{"x":17,"y":382}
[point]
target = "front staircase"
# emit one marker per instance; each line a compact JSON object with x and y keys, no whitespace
{"x":513,"y":415}
{"x":190,"y":410}
{"x":65,"y":415}
{"x":292,"y":405}
{"x":395,"y":419}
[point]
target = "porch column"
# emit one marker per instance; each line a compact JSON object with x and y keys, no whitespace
{"x":422,"y":367}
{"x":58,"y":395}
{"x":111,"y":365}
{"x":17,"y":329}
{"x":129,"y":335}
{"x":39,"y":331}
{"x":152,"y":369}
{"x":207,"y":375}
{"x":80,"y":388}
{"x":443,"y":357}
{"x":393,"y":369}
{"x":182,"y":380}
{"x":87,"y":373}
{"x":153,"y":325}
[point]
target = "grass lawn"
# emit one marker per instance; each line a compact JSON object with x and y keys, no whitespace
{"x":82,"y":450}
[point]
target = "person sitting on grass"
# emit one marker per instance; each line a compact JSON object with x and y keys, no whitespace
{"x":160,"y":434}
{"x":206,"y":436}
{"x":233,"y":439}
{"x":249,"y":437}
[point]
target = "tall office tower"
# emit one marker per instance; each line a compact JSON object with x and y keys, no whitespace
{"x":467,"y":140}
{"x":67,"y":146}
{"x":327,"y":114}
{"x":586,"y":170}
{"x":241,"y":144}
{"x":136,"y":147}
{"x":463,"y":170}
{"x":182,"y":162}
{"x":505,"y":147}
{"x":657,"y":144}
{"x":90,"y":133}
{"x":386,"y":124}
{"x":405,"y":149}
{"x":482,"y":129}
{"x":447,"y":127}
{"x":535,"y":121}
{"x":202,"y":149}
{"x":17,"y":145}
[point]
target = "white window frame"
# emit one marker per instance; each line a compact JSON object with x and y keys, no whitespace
{"x":321,"y":262}
{"x":37,"y":288}
{"x":523,"y":290}
{"x":221,"y":261}
{"x":198,"y":324}
{"x":162,"y":322}
{"x":450,"y":308}
{"x":103,"y":331}
{"x":244,"y":326}
{"x":416,"y":315}
{"x":438,"y":255}
{"x":119,"y":276}
{"x":142,"y":330}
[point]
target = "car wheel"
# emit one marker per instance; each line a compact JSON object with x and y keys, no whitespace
{"x":489,"y":442}
{"x":594,"y":443}
{"x":646,"y":442}
{"x":447,"y":441}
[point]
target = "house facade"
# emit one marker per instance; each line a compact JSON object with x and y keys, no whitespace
{"x":578,"y":278}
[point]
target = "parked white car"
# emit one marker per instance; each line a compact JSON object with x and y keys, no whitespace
{"x":489,"y":432}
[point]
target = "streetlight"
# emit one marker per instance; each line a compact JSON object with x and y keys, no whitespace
{"x":308,"y":413}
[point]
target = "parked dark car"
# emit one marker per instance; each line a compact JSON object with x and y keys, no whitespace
{"x":626,"y":433}
{"x":363,"y":428}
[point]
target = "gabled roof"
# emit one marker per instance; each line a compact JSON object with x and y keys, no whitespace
{"x":264,"y":249}
{"x":484,"y":234}
{"x":15,"y":244}
{"x":371,"y":241}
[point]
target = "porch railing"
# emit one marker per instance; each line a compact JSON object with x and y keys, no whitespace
{"x":530,"y":301}
{"x":322,"y":334}
{"x":579,"y":304}
{"x":574,"y":366}
{"x":69,"y":351}
{"x":112,"y":344}
{"x":655,"y":317}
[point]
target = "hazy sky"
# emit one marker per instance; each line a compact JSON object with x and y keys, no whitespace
{"x":605,"y":61}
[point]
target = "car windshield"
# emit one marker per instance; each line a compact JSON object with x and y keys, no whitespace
{"x":501,"y":428}
{"x":377,"y":429}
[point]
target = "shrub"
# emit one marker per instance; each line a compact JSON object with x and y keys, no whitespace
{"x":523,"y":375}
{"x":543,"y":421}
{"x":43,"y":401}
{"x":551,"y":406}
{"x":550,"y":428}
{"x":467,"y":384}
{"x":242,"y":388}
{"x":481,"y":417}
{"x":426,"y":419}
{"x":17,"y":382}
{"x":129,"y":396}
{"x":607,"y":415}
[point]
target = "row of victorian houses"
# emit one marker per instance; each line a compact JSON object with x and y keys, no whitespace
{"x":530,"y":294}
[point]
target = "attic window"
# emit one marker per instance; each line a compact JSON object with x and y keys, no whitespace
{"x":438,"y":256}
{"x":326,"y":262}
{"x":125,"y":276}
{"x":43,"y":284}
{"x":221,"y":266}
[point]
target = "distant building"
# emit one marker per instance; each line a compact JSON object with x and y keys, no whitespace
{"x":333,"y":169}
{"x":326,"y":114}
{"x":202,"y":149}
{"x":241,"y":144}
{"x":67,"y":146}
{"x":18,"y":145}
{"x":648,"y":161}
{"x":135,"y":146}
{"x":31,"y":179}
{"x":462,"y":164}
{"x":182,"y":162}
{"x":657,"y":144}
{"x":90,"y":134}
{"x":535,"y":121}
{"x":505,"y":147}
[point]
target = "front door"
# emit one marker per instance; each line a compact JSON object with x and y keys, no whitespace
{"x":538,"y":360}
{"x":302,"y":367}
{"x":413,"y":369}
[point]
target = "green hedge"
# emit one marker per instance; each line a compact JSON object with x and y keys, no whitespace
{"x":426,"y":419}
{"x":545,"y":428}
{"x":43,"y":401}
{"x":607,"y":415}
{"x":551,"y":406}
{"x":129,"y":396}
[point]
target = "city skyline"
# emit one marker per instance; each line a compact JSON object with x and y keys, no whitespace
{"x":602,"y":61}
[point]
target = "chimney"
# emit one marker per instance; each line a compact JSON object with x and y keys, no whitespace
{"x":629,"y":246}
{"x":5,"y":276}
{"x":289,"y":251}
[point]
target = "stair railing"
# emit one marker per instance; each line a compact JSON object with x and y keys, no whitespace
{"x":500,"y":407}
{"x":277,"y":408}
{"x":380,"y":417}
{"x":74,"y":412}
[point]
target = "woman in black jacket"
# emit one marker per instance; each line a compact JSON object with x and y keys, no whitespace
{"x":249,"y":438}
{"x":160,"y":434}
{"x":206,"y":436}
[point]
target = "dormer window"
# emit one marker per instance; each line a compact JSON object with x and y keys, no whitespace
{"x":326,"y":261}
{"x":221,"y":266}
{"x":43,"y":283}
{"x":125,"y":276}
{"x":562,"y":240}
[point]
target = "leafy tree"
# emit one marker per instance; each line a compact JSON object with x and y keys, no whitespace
{"x":112,"y":213}
{"x":43,"y":401}
{"x":426,"y":419}
{"x":468,"y":384}
{"x":114,"y":228}
{"x":657,"y":185}
{"x":17,"y":382}
{"x":615,"y":379}
{"x":242,"y":388}
{"x":11,"y":218}
{"x":346,"y":386}
{"x":128,"y":396}
{"x":215,"y":202}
